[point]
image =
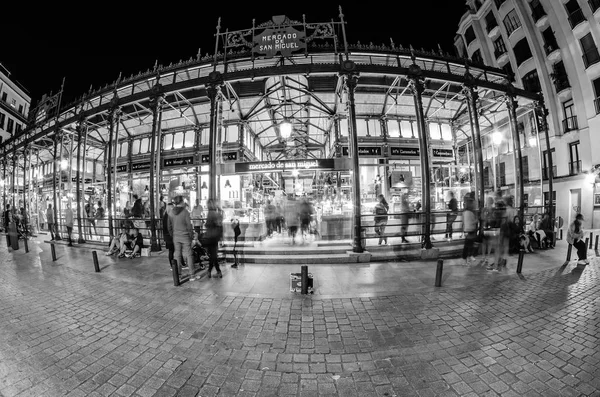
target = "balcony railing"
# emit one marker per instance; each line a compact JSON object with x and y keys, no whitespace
{"x":561,"y":82}
{"x":597,"y":103}
{"x":570,"y":124}
{"x":575,"y":167}
{"x":591,"y":57}
{"x":537,"y":13}
{"x":502,"y":180}
{"x":594,"y":4}
{"x":576,"y":17}
{"x":490,"y":25}
{"x":499,"y":3}
{"x":545,"y":172}
{"x":499,"y":52}
{"x":550,"y":48}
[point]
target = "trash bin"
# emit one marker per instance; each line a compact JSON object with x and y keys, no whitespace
{"x":14,"y":236}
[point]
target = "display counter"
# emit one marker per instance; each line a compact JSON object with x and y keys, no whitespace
{"x":250,"y":231}
{"x":336,"y":227}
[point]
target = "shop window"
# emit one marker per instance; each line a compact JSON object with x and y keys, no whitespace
{"x":178,"y":140}
{"x":469,"y":35}
{"x":362,"y":128}
{"x":589,"y":49}
{"x":124,"y":149}
{"x":135,"y":148}
{"x":511,"y":22}
{"x":434,"y":131}
{"x":499,"y":47}
{"x":406,"y":129}
{"x":393,"y":129}
{"x":168,"y":142}
{"x":522,"y":51}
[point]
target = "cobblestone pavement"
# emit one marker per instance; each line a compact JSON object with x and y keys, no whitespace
{"x":66,"y":330}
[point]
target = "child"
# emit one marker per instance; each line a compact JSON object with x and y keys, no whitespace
{"x":138,"y":243}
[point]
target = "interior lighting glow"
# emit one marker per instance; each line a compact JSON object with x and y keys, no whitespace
{"x":285,"y":129}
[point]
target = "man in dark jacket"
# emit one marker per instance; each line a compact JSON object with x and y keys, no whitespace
{"x":138,"y":208}
{"x":182,"y":231}
{"x":166,"y":235}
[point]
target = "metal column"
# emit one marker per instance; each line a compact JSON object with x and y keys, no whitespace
{"x":156,"y":101}
{"x":512,"y":105}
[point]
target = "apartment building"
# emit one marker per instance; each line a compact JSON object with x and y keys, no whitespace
{"x":548,"y":46}
{"x":14,"y":105}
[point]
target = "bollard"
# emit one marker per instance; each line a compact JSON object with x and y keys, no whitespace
{"x":438,"y":273}
{"x":568,"y":255}
{"x":304,"y":279}
{"x":587,"y":240}
{"x":175,"y":271}
{"x":53,"y":252}
{"x":26,"y":245}
{"x":596,"y":245}
{"x":591,"y":239}
{"x":96,"y":266}
{"x":520,"y":262}
{"x":560,"y":233}
{"x":7,"y":239}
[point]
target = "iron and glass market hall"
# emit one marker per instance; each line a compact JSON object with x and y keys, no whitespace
{"x":283,"y":111}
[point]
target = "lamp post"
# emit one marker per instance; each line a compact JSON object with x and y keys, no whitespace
{"x":496,"y":142}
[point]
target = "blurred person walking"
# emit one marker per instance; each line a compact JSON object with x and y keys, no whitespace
{"x":451,"y":215}
{"x":381,"y":218}
{"x":51,"y":224}
{"x":213,"y":235}
{"x":167,"y":235}
{"x":575,"y":238}
{"x":470,"y":228}
{"x":69,"y":223}
{"x":182,"y":231}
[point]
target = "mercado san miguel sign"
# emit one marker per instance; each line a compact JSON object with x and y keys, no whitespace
{"x":285,"y":165}
{"x":279,"y":40}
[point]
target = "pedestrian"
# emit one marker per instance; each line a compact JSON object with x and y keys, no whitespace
{"x":212,"y":236}
{"x":51,"y":224}
{"x":182,"y":231}
{"x":198,"y":217}
{"x":470,"y":228}
{"x":90,"y":219}
{"x":137,"y":211}
{"x":166,"y":235}
{"x":547,"y":227}
{"x":575,"y":238}
{"x":501,"y":244}
{"x":292,"y":219}
{"x":162,"y":206}
{"x":99,"y":219}
{"x":42,"y":218}
{"x":451,"y":215}
{"x":69,"y":223}
{"x":381,"y":218}
{"x":404,"y":213}
{"x":7,"y":217}
{"x":269,"y":211}
{"x":305,"y":212}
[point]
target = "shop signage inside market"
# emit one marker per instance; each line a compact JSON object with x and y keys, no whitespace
{"x":446,"y":153}
{"x":404,"y":151}
{"x":205,"y":158}
{"x":178,"y":161}
{"x":120,"y":168}
{"x":364,"y":151}
{"x":140,"y":166}
{"x":279,"y":40}
{"x":229,"y":156}
{"x":285,"y":165}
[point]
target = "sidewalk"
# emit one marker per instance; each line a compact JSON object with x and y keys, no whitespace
{"x":377,"y":329}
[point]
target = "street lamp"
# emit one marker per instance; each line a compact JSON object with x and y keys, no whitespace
{"x":285,"y":129}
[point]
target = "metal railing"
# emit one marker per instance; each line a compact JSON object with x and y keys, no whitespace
{"x":576,"y":17}
{"x":570,"y":124}
{"x":591,"y":57}
{"x":575,"y":167}
{"x":594,"y":4}
{"x":537,"y":13}
{"x":545,"y":172}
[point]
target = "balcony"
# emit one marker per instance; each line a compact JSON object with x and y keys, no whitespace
{"x":575,"y":167}
{"x":499,"y":52}
{"x":538,"y":13}
{"x":576,"y":17}
{"x":597,"y":104}
{"x":490,"y":25}
{"x":561,"y":81}
{"x":569,"y":124}
{"x":499,"y":3}
{"x":550,"y":48}
{"x":594,"y":5}
{"x":502,"y":180}
{"x":545,"y":172}
{"x":591,"y":57}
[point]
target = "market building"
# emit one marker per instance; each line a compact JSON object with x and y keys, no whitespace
{"x":549,"y":47}
{"x":286,"y":110}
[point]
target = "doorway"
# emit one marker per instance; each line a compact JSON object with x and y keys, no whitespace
{"x":574,"y":204}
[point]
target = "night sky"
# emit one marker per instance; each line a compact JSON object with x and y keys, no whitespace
{"x":91,"y":43}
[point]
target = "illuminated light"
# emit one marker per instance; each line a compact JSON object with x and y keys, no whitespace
{"x":590,"y":178}
{"x":64,"y":164}
{"x":532,"y":141}
{"x":285,"y":129}
{"x":497,"y":138}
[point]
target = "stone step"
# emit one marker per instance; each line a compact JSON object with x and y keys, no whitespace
{"x":291,"y":260}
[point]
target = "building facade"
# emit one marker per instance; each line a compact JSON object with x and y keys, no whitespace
{"x":549,"y":46}
{"x":14,"y":106}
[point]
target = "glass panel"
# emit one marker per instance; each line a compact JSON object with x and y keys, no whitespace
{"x":344,"y":127}
{"x":204,"y":136}
{"x":144,"y":145}
{"x":168,"y":142}
{"x":361,"y":127}
{"x":124,"y":149}
{"x":406,"y":129}
{"x":374,"y":127}
{"x":135,"y":149}
{"x":178,"y":140}
{"x":232,"y":133}
{"x":190,"y":138}
{"x":393,"y":129}
{"x":434,"y":131}
{"x":446,"y":132}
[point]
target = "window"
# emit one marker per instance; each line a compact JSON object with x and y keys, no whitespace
{"x":594,"y":4}
{"x":469,"y":35}
{"x":502,"y":174}
{"x":537,"y":11}
{"x":531,"y":81}
{"x":574,"y":12}
{"x":589,"y":49}
{"x":490,"y":21}
{"x":570,"y":120}
{"x":525,"y":168}
{"x":168,"y":142}
{"x":545,"y":173}
{"x":190,"y":137}
{"x":550,"y":44}
{"x":178,"y":140}
{"x":596,"y":84}
{"x":2,"y":120}
{"x":575,"y":164}
{"x":10,"y":125}
{"x":511,"y":22}
{"x":559,"y":76}
{"x":4,"y":96}
{"x":18,"y":128}
{"x":13,"y":102}
{"x":476,"y":57}
{"x":21,"y":109}
{"x":509,"y":72}
{"x":499,"y":3}
{"x":522,"y":51}
{"x":499,"y":47}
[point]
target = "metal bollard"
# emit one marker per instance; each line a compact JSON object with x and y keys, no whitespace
{"x":7,"y":239}
{"x":587,"y":240}
{"x":95,"y":257}
{"x":304,"y":279}
{"x":560,"y":234}
{"x":591,"y":239}
{"x":520,"y":262}
{"x":26,"y":245}
{"x":53,"y":252}
{"x":175,"y":272}
{"x":568,"y":255}
{"x":596,"y":245}
{"x":438,"y":273}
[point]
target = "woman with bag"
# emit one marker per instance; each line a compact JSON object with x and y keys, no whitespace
{"x":212,"y":236}
{"x":575,"y":238}
{"x":470,"y":231}
{"x":381,"y":218}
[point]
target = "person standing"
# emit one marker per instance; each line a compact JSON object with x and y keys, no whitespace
{"x":197,"y":217}
{"x":292,"y":220}
{"x":269,"y":211}
{"x":166,"y":235}
{"x":212,"y":236}
{"x":100,"y":220}
{"x":470,"y":227}
{"x":51,"y":224}
{"x":42,"y":218}
{"x":381,"y":218}
{"x":575,"y":238}
{"x":451,"y":215}
{"x":7,"y":217}
{"x":180,"y":228}
{"x":404,"y":213}
{"x":69,"y":223}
